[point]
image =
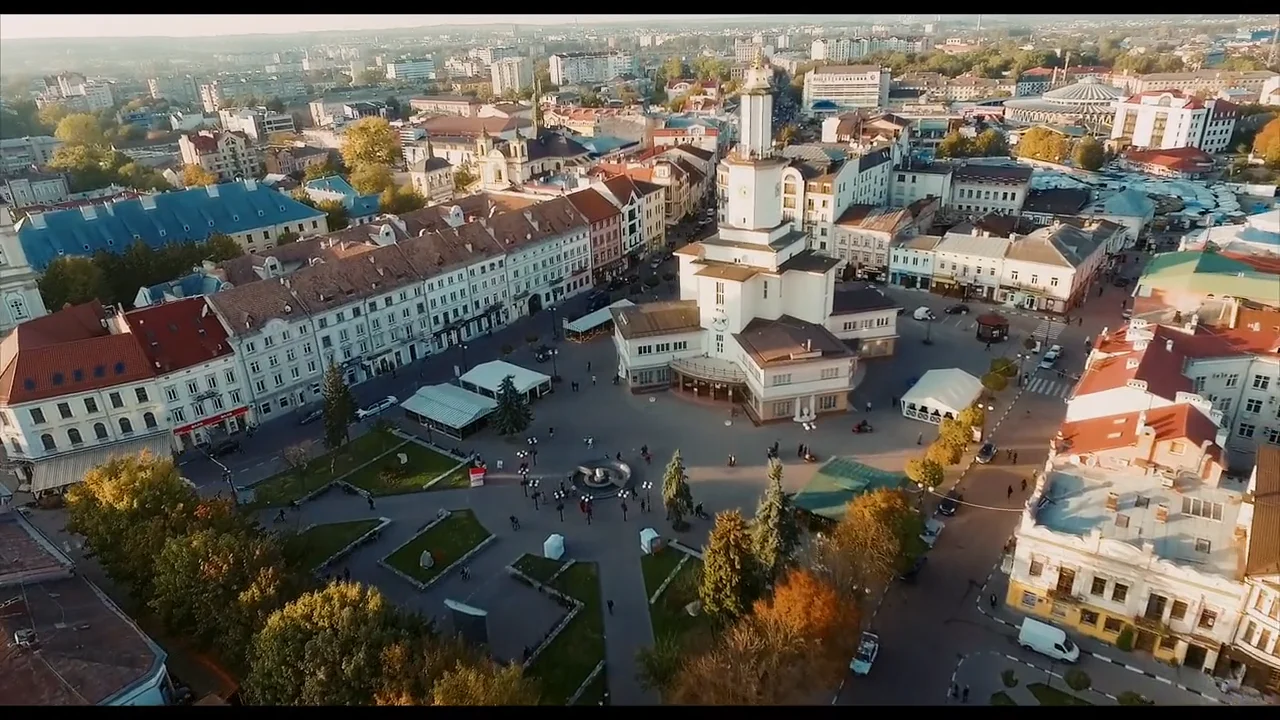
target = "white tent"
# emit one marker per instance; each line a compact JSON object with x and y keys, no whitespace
{"x":650,"y":541}
{"x":448,"y":407}
{"x":593,"y":320}
{"x":941,"y":394}
{"x":486,"y":379}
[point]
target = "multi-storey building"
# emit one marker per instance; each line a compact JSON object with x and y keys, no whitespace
{"x":248,"y":212}
{"x":834,"y":88}
{"x":911,"y":262}
{"x":196,"y":373}
{"x":1256,"y":656}
{"x":432,"y":177}
{"x":20,"y":298}
{"x":292,"y":159}
{"x":548,"y":253}
{"x":914,"y":181}
{"x":76,"y":387}
{"x":605,"y":232}
{"x":580,"y":68}
{"x":1206,"y":83}
{"x":1167,"y":119}
{"x":76,"y":94}
{"x":446,"y":105}
{"x":750,"y":327}
{"x":24,"y":153}
{"x":1054,"y":268}
{"x":34,"y":188}
{"x":229,"y":155}
{"x":178,"y":89}
{"x":256,"y":123}
{"x":219,"y":94}
{"x":981,"y":189}
{"x":511,"y":74}
{"x":637,"y":221}
{"x":495,"y":53}
{"x":863,"y":234}
{"x":412,"y":70}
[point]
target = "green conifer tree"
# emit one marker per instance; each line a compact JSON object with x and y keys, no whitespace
{"x":512,"y":415}
{"x":339,"y":408}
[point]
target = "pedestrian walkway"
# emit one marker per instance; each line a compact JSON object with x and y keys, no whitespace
{"x":1048,"y":331}
{"x":1051,"y":388}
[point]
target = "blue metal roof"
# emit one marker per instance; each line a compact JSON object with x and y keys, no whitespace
{"x":357,"y":205}
{"x":605,"y":144}
{"x":181,"y":216}
{"x":192,"y":285}
{"x":333,"y":184}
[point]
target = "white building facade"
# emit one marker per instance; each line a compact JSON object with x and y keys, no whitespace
{"x":1168,"y":119}
{"x":413,"y":70}
{"x":511,"y":74}
{"x":835,"y":88}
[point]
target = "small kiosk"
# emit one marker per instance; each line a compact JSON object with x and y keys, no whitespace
{"x":993,"y":327}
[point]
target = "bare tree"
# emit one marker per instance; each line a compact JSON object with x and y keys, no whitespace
{"x":298,"y":456}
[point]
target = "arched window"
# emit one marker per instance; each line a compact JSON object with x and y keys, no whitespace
{"x":74,"y":436}
{"x":149,"y":420}
{"x":126,"y":427}
{"x":49,"y":444}
{"x":100,"y":431}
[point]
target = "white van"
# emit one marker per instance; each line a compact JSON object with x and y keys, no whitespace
{"x":1048,"y":641}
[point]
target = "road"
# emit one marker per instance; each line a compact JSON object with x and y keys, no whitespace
{"x":927,"y":628}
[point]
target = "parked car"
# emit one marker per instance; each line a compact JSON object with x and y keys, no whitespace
{"x":225,"y":446}
{"x":656,"y":262}
{"x":1047,"y":640}
{"x":1051,"y":358}
{"x":932,"y":529}
{"x":923,"y":313}
{"x":957,"y":309}
{"x":597,"y":301}
{"x":374,"y":409}
{"x":868,"y":649}
{"x":1121,"y":282}
{"x":309,"y":416}
{"x":910,"y":574}
{"x":986,"y":453}
{"x":950,"y":503}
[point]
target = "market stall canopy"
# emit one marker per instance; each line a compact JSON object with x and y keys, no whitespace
{"x":593,"y":320}
{"x":449,"y":405}
{"x":947,"y":391}
{"x":489,"y":376}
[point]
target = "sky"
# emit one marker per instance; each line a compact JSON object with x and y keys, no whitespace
{"x":15,"y":27}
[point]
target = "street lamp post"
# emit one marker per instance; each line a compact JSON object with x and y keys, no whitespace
{"x":647,"y":486}
{"x":555,"y":331}
{"x":533,"y":485}
{"x":464,"y":358}
{"x":555,"y":371}
{"x":560,"y":496}
{"x":928,"y":332}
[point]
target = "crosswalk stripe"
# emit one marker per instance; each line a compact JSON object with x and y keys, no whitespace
{"x":1048,"y":329}
{"x":1051,"y":388}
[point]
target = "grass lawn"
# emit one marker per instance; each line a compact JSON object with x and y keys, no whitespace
{"x":1053,"y":696}
{"x":279,"y":490}
{"x":389,"y":477}
{"x":312,"y":547}
{"x":668,"y":615}
{"x":447,"y":541}
{"x":538,"y":567}
{"x":456,"y":480}
{"x":657,"y":567}
{"x":576,"y":651}
{"x":1001,"y":698}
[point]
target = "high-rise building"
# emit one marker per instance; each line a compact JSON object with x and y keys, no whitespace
{"x":415,"y":70}
{"x":579,"y":68}
{"x":514,"y":74}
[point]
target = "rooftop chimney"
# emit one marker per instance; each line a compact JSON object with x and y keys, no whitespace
{"x":1162,"y":513}
{"x":1113,"y":502}
{"x":250,"y":184}
{"x":213,"y":190}
{"x":89,"y":212}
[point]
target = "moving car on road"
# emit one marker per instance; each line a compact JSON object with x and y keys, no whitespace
{"x":225,"y":446}
{"x":957,"y":309}
{"x":950,"y":503}
{"x":310,"y":416}
{"x":1047,"y":640}
{"x":868,"y":649}
{"x":923,"y":313}
{"x":986,"y":453}
{"x":377,"y":407}
{"x":909,"y":576}
{"x":1051,"y":357}
{"x":932,"y":529}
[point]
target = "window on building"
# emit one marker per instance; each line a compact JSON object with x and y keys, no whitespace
{"x":64,"y":410}
{"x":1208,"y":618}
{"x":1253,"y":406}
{"x":719,"y":293}
{"x":1112,"y":625}
{"x":1261,"y":382}
{"x":1099,"y":587}
{"x":1037,"y":566}
{"x":1119,"y":593}
{"x":126,"y":427}
{"x":74,"y":436}
{"x":1202,"y":508}
{"x":48,"y":442}
{"x":1089,"y":618}
{"x":1178,"y":611}
{"x":141,"y":394}
{"x":37,"y":416}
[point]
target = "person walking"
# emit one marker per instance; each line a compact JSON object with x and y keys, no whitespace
{"x":515,"y":522}
{"x":964,"y":694}
{"x":1024,"y":484}
{"x":868,"y":406}
{"x":551,"y":432}
{"x":992,"y":601}
{"x":1009,"y":494}
{"x":593,"y":380}
{"x":1015,"y":457}
{"x":987,"y":348}
{"x":588,"y":366}
{"x":920,"y":439}
{"x":609,"y":604}
{"x":370,"y":499}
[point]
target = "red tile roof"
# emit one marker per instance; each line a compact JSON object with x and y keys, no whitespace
{"x":593,"y":205}
{"x":180,"y":334}
{"x":1156,"y":365}
{"x":1269,"y":264}
{"x":1186,"y":159}
{"x":70,"y":351}
{"x":1264,"y":536}
{"x":1176,"y":422}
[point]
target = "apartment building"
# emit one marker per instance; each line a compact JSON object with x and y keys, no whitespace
{"x":257,"y":123}
{"x":818,"y":187}
{"x":835,"y":88}
{"x":197,"y":376}
{"x":580,"y":68}
{"x":1254,"y":657}
{"x":911,"y":262}
{"x":866,"y":316}
{"x":642,"y":206}
{"x":446,"y":105}
{"x":178,"y":89}
{"x":34,"y":188}
{"x":548,"y":251}
{"x":683,"y":171}
{"x":1204,"y":83}
{"x":432,"y":177}
{"x":292,"y":159}
{"x":413,"y":70}
{"x":605,"y":231}
{"x":76,"y":387}
{"x":913,"y":181}
{"x":24,"y":153}
{"x":1167,"y":119}
{"x":494,"y":53}
{"x":1053,"y":269}
{"x":76,"y":94}
{"x":511,"y":75}
{"x":233,"y":91}
{"x":863,"y":235}
{"x":982,"y":189}
{"x":230,"y":155}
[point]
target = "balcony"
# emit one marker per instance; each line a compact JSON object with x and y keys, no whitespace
{"x":1065,"y":596}
{"x":711,"y":369}
{"x":1154,"y":624}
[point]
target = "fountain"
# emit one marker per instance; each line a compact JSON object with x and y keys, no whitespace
{"x":602,"y":478}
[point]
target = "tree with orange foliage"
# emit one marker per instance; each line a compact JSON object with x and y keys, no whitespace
{"x":756,"y":662}
{"x":814,"y":610}
{"x":869,"y":544}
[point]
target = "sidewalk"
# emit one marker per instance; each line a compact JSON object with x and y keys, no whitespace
{"x":983,"y":674}
{"x":1183,"y":678}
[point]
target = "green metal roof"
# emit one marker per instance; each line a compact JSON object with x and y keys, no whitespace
{"x":1208,"y":273}
{"x":839,"y":481}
